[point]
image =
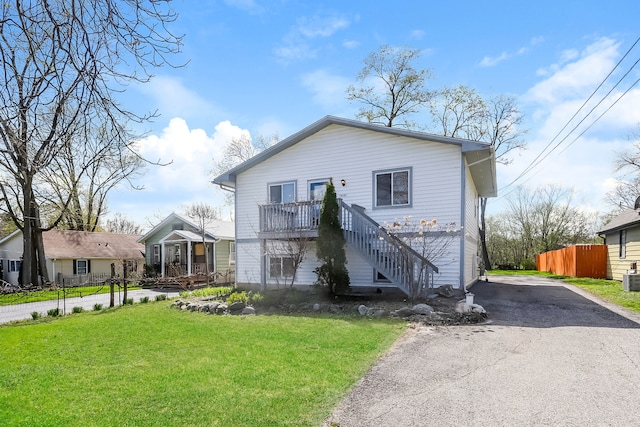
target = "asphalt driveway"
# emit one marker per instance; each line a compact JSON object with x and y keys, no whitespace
{"x":550,"y":354}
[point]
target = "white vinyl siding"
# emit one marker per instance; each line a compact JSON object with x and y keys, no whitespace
{"x":470,"y":232}
{"x":616,"y":266}
{"x":352,"y":154}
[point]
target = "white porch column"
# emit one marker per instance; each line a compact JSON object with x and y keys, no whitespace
{"x":162,"y":256}
{"x":189,"y":258}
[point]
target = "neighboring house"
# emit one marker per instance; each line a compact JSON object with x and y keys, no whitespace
{"x":622,"y":237}
{"x":174,"y":247}
{"x":381,"y":175}
{"x":77,"y":256}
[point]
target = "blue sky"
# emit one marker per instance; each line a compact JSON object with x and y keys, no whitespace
{"x":264,"y":67}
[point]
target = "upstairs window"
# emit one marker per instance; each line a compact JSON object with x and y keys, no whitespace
{"x":392,"y":188}
{"x":284,"y":192}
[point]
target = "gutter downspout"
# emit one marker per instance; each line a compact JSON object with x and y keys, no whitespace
{"x":463,"y":207}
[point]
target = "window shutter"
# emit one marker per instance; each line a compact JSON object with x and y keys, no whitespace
{"x":75,"y":266}
{"x":88,"y":266}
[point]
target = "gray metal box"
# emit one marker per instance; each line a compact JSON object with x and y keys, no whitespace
{"x":631,"y":282}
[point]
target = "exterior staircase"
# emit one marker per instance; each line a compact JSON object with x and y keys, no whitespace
{"x":397,"y":261}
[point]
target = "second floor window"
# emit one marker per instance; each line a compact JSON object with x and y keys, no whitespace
{"x":392,"y":188}
{"x":284,"y":192}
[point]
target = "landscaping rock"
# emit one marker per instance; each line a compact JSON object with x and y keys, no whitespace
{"x":445,"y":291}
{"x":316,"y":307}
{"x":422,"y":309}
{"x":362,"y":309}
{"x":403,"y":312}
{"x":335,"y":309}
{"x":249,"y":311}
{"x":237,"y":306}
{"x":221,"y":309}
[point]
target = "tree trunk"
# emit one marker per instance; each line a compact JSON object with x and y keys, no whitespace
{"x":43,"y":272}
{"x":27,"y":234}
{"x":483,"y":234}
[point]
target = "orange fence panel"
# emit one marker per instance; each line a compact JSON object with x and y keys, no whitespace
{"x":575,"y":261}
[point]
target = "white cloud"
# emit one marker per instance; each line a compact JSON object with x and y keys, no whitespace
{"x":351,"y":44}
{"x":247,"y":5}
{"x":491,"y":61}
{"x":174,"y":99}
{"x":190,"y":153}
{"x":585,"y":162}
{"x":417,"y":34}
{"x":296,"y":44}
{"x":328,"y":90}
{"x":578,"y":78}
{"x":321,"y":26}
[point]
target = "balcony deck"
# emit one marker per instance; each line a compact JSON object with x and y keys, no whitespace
{"x":290,"y":220}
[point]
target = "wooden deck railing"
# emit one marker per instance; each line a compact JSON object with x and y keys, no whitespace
{"x":287,"y":217}
{"x":399,"y":263}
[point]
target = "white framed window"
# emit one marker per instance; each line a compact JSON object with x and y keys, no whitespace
{"x":623,"y":243}
{"x":392,"y":188}
{"x":156,"y":254}
{"x":14,"y":265}
{"x":82,"y":266}
{"x":281,"y":267}
{"x":232,"y":252}
{"x":176,"y":253}
{"x":317,"y":189}
{"x":283,"y":192}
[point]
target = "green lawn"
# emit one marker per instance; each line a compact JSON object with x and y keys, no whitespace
{"x":609,"y":290}
{"x":150,"y":365}
{"x":47,"y":294}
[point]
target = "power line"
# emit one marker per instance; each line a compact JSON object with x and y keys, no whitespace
{"x":542,"y":155}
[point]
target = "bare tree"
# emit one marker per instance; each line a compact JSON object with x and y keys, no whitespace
{"x":240,"y":149}
{"x":546,"y":220}
{"x":85,"y":178}
{"x":203,"y":214}
{"x":627,"y":167}
{"x":390,"y":87}
{"x":286,"y":255}
{"x":64,"y":62}
{"x":122,"y":225}
{"x":461,"y":112}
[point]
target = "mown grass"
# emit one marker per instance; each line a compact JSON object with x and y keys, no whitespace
{"x":149,"y":365}
{"x":52,"y":294}
{"x":609,"y":290}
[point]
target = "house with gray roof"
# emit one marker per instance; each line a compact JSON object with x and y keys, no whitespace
{"x":178,"y":247}
{"x":76,"y":255}
{"x":622,"y":237}
{"x":383,"y":176}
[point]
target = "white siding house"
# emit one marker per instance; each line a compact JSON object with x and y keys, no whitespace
{"x":381,"y":175}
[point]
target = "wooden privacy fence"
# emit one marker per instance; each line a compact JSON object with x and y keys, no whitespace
{"x":575,"y":261}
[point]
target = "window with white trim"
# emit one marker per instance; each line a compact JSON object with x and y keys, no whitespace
{"x":317,"y":189}
{"x":232,"y":252}
{"x":156,"y":254}
{"x":81,"y":266}
{"x":280,"y":267}
{"x":392,"y":188}
{"x":14,"y":265}
{"x":623,"y":243}
{"x":284,"y":192}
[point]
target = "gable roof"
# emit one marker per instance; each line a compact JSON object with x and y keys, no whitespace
{"x":480,"y":156}
{"x":84,"y":244}
{"x":216,"y":229}
{"x":626,"y":219}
